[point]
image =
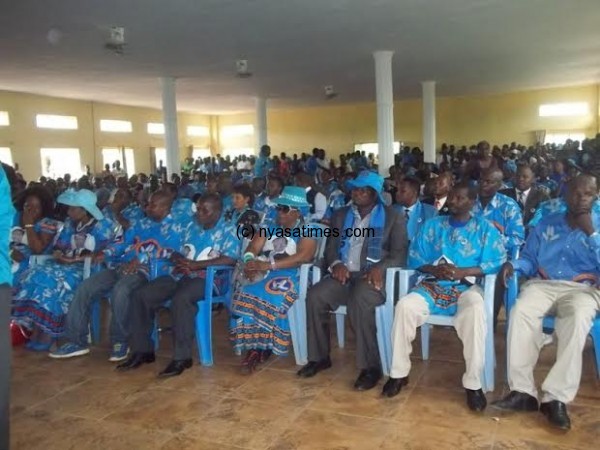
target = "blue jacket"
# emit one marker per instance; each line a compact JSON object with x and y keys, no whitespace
{"x":420,"y":213}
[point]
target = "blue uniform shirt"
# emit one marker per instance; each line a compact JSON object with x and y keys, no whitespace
{"x":555,"y":251}
{"x":505,"y":214}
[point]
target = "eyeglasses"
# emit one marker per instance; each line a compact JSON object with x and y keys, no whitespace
{"x":285,"y":209}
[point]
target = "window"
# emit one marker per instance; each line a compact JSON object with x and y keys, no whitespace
{"x":233,"y":131}
{"x":564,"y":109}
{"x":6,"y":156}
{"x":56,"y":122}
{"x":373,"y":147}
{"x":201,"y":153}
{"x":156,"y":128}
{"x":237,"y":152}
{"x":160,"y":154}
{"x":112,"y":154}
{"x":115,"y":126}
{"x":4,"y":119}
{"x":194,"y":130}
{"x":56,"y":162}
{"x":561,"y":137}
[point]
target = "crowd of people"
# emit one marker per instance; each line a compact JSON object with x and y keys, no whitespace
{"x":532,"y":211}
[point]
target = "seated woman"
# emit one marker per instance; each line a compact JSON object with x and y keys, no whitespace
{"x":33,"y":229}
{"x":242,"y":213}
{"x":272,"y":281}
{"x":46,"y":290}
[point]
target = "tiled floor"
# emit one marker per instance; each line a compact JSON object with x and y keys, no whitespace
{"x":84,"y":404}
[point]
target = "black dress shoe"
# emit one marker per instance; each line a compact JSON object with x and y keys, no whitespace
{"x":368,"y":379}
{"x":314,"y":367}
{"x":476,"y":400}
{"x":517,"y":401}
{"x":556,"y":413}
{"x":175,"y":367}
{"x":136,"y":360}
{"x":393,"y":386}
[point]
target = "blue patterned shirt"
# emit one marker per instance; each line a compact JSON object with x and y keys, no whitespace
{"x":554,"y":251}
{"x":553,"y":206}
{"x":505,"y":214}
{"x":93,"y":236}
{"x":149,"y":241}
{"x":183,"y":209}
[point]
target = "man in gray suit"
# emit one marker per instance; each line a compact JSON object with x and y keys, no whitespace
{"x":525,"y":193}
{"x":367,"y":238}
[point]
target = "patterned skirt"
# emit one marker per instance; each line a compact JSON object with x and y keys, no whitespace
{"x":261,"y":313}
{"x":45,"y":294}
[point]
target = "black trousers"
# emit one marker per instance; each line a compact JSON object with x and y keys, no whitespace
{"x":184,"y":295}
{"x":5,"y":356}
{"x":361,"y":300}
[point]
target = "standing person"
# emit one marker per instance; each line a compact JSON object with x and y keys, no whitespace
{"x":7,"y":213}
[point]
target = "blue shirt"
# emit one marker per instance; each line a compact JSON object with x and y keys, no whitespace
{"x":183,"y":209}
{"x":148,"y":241}
{"x":262,"y":166}
{"x":418,"y":214}
{"x":94,"y":236}
{"x":555,"y":251}
{"x":7,"y":212}
{"x":505,"y":214}
{"x":556,"y":205}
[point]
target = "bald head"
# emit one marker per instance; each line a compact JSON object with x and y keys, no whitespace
{"x":490,"y":183}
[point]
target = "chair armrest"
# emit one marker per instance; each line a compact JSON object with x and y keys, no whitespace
{"x":408,"y":279}
{"x":512,"y":291}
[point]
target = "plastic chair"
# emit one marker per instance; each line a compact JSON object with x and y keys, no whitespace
{"x":548,"y":322}
{"x":297,"y":312}
{"x":408,"y":279}
{"x":204,"y":314}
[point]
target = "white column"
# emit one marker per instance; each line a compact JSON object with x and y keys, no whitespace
{"x":384,"y":91}
{"x":428,"y":121}
{"x":261,"y":122}
{"x":169,"y":104}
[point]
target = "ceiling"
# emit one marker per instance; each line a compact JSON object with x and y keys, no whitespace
{"x":294,"y":48}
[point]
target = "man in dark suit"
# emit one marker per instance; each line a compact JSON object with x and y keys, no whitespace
{"x":441,"y":189}
{"x":356,"y":269}
{"x":525,"y":193}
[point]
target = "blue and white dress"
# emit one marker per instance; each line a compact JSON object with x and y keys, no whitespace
{"x":19,"y":242}
{"x":46,"y":290}
{"x":261,"y":307}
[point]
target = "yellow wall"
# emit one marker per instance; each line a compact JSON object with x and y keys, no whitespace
{"x":460,"y":120}
{"x":25,"y":139}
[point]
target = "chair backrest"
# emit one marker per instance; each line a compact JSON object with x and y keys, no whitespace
{"x":321,"y":241}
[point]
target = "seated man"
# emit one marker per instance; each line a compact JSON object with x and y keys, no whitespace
{"x":564,"y":250}
{"x":209,"y":240}
{"x":441,"y":188}
{"x":527,"y":195}
{"x":450,"y":251}
{"x":147,"y":240}
{"x":370,"y":238}
{"x":415,"y":213}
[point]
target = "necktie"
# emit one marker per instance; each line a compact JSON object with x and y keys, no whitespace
{"x":521,"y":198}
{"x":406,"y":213}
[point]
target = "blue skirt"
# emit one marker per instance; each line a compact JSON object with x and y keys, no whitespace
{"x":45,"y":294}
{"x":261,"y":309}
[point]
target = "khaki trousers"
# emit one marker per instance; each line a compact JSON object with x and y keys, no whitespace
{"x":575,"y":307}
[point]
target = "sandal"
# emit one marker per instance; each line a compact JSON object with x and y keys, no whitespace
{"x":250,"y":362}
{"x":265,"y":355}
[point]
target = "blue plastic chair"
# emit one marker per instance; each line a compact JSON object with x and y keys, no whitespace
{"x":548,"y":322}
{"x":408,"y":279}
{"x":204,"y":314}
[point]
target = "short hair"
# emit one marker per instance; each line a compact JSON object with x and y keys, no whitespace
{"x":471,"y":190}
{"x":277,"y":179}
{"x":413,"y":182}
{"x":170,"y":188}
{"x":245,"y":191}
{"x":212,"y":198}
